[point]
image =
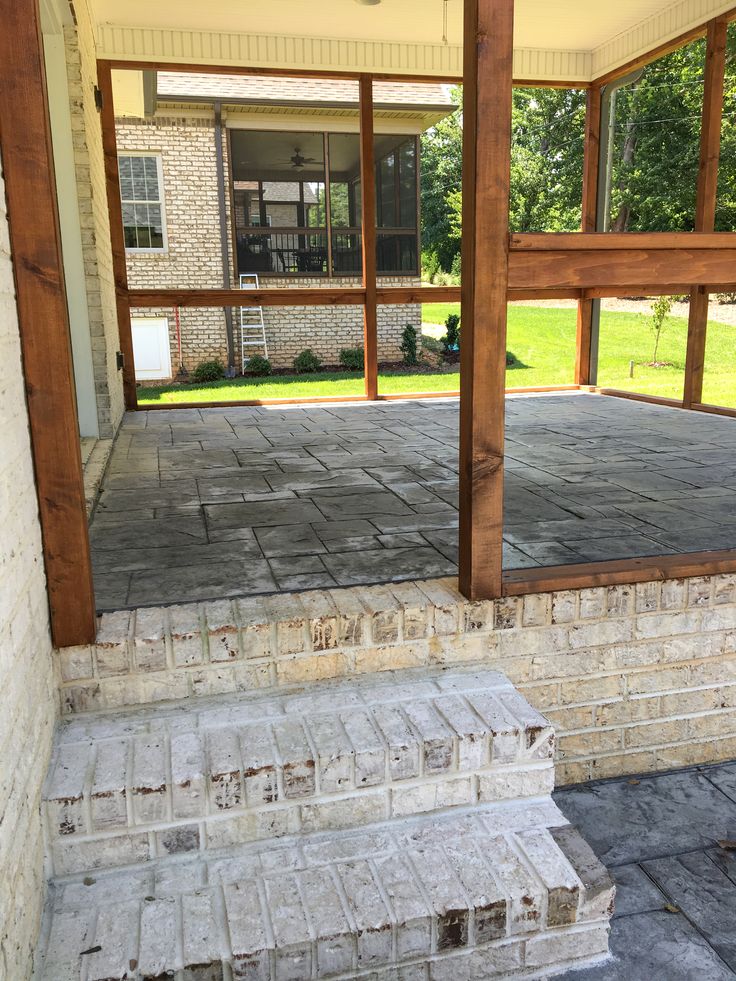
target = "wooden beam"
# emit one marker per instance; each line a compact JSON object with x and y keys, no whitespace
{"x":584,"y":333}
{"x":518,"y":582}
{"x":629,"y":269}
{"x":117,"y":240}
{"x":44,"y":324}
{"x":619,"y":241}
{"x":368,"y":236}
{"x":487,"y":85}
{"x":275,"y":297}
{"x":705,"y":204}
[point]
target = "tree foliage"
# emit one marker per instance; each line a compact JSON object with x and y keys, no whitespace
{"x":655,"y":156}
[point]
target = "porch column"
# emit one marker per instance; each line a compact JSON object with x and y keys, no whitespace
{"x":43,"y":319}
{"x":487,"y":90}
{"x":705,"y":205}
{"x":591,"y":169}
{"x":368,"y":236}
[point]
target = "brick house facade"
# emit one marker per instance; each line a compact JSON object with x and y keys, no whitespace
{"x":182,"y":136}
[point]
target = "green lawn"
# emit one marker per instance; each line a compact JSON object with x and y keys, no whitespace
{"x":543,"y":341}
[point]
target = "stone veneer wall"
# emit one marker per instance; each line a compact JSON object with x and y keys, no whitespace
{"x":193,"y":259}
{"x":634,"y":678}
{"x":28,"y":704}
{"x":81,"y":57}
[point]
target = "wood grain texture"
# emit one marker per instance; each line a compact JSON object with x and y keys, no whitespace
{"x":705,"y":203}
{"x":629,"y":268}
{"x":35,"y":240}
{"x":487,"y":60}
{"x":117,"y":240}
{"x":368,"y":236}
{"x":276,"y":297}
{"x":518,"y":582}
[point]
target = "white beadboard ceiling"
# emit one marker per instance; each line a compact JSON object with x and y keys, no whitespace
{"x":553,"y":39}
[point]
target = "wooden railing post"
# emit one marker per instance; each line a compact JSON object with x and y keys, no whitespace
{"x":487,"y":88}
{"x":705,"y":205}
{"x":591,"y":169}
{"x":368,"y":229}
{"x":43,"y":319}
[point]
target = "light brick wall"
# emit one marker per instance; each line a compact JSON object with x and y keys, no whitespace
{"x":28,"y":703}
{"x":97,"y":253}
{"x":193,"y":260}
{"x":634,"y":678}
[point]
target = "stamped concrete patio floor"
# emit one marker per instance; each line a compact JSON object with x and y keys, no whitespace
{"x":660,"y":836}
{"x":210,"y":503}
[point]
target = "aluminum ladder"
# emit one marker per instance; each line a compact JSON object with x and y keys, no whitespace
{"x":252,"y":326}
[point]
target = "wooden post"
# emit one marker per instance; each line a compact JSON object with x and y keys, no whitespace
{"x":368,"y":236}
{"x":35,"y":241}
{"x":117,"y":240}
{"x":584,"y":336}
{"x":487,"y":93}
{"x":705,"y":205}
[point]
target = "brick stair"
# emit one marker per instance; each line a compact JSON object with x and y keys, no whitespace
{"x":342,"y":829}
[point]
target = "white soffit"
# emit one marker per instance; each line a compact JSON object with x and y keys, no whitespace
{"x":566,"y":40}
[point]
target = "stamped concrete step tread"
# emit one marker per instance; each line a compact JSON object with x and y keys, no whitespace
{"x":218,"y":772}
{"x":502,"y":890}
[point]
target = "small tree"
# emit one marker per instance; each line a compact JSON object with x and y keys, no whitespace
{"x":661,"y":308}
{"x":409,"y":344}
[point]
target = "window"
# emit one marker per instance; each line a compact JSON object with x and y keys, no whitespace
{"x":297,"y":198}
{"x":141,"y":194}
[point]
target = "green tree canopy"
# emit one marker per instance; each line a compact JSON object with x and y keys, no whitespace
{"x":655,"y":154}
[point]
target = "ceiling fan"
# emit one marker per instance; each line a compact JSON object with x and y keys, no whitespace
{"x":298,"y":161}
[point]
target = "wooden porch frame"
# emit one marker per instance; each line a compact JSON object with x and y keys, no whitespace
{"x":582,"y":266}
{"x":43,"y":321}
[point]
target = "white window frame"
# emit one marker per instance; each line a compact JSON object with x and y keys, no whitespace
{"x":153,"y":250}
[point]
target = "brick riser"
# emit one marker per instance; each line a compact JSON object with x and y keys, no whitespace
{"x":505,"y":891}
{"x":218,"y":773}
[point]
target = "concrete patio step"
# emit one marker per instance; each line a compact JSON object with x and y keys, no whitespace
{"x":503,"y":890}
{"x":204,"y":774}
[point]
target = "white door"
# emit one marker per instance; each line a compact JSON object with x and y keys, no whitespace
{"x":151,"y":350}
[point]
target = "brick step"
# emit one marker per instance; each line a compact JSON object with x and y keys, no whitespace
{"x":503,"y":890}
{"x":213,"y":773}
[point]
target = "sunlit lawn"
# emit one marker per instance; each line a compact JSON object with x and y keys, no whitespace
{"x":543,"y":342}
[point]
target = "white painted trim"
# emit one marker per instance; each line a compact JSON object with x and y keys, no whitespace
{"x":659,"y":29}
{"x":440,"y":60}
{"x":161,"y":200}
{"x":71,"y":235}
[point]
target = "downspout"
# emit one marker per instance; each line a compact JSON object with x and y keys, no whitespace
{"x":224,"y":252}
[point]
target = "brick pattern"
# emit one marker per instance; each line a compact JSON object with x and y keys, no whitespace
{"x":635,"y":678}
{"x":29,"y":701}
{"x":495,"y":893}
{"x":241,"y":768}
{"x":186,"y":145}
{"x":81,"y":59}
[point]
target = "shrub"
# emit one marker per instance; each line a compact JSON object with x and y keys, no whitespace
{"x":352,"y":358}
{"x":455,"y":270}
{"x":306,"y":362}
{"x":430,"y":266}
{"x":409,"y":344}
{"x":258,"y":366}
{"x":451,"y":340}
{"x":511,"y":359}
{"x":208,"y":371}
